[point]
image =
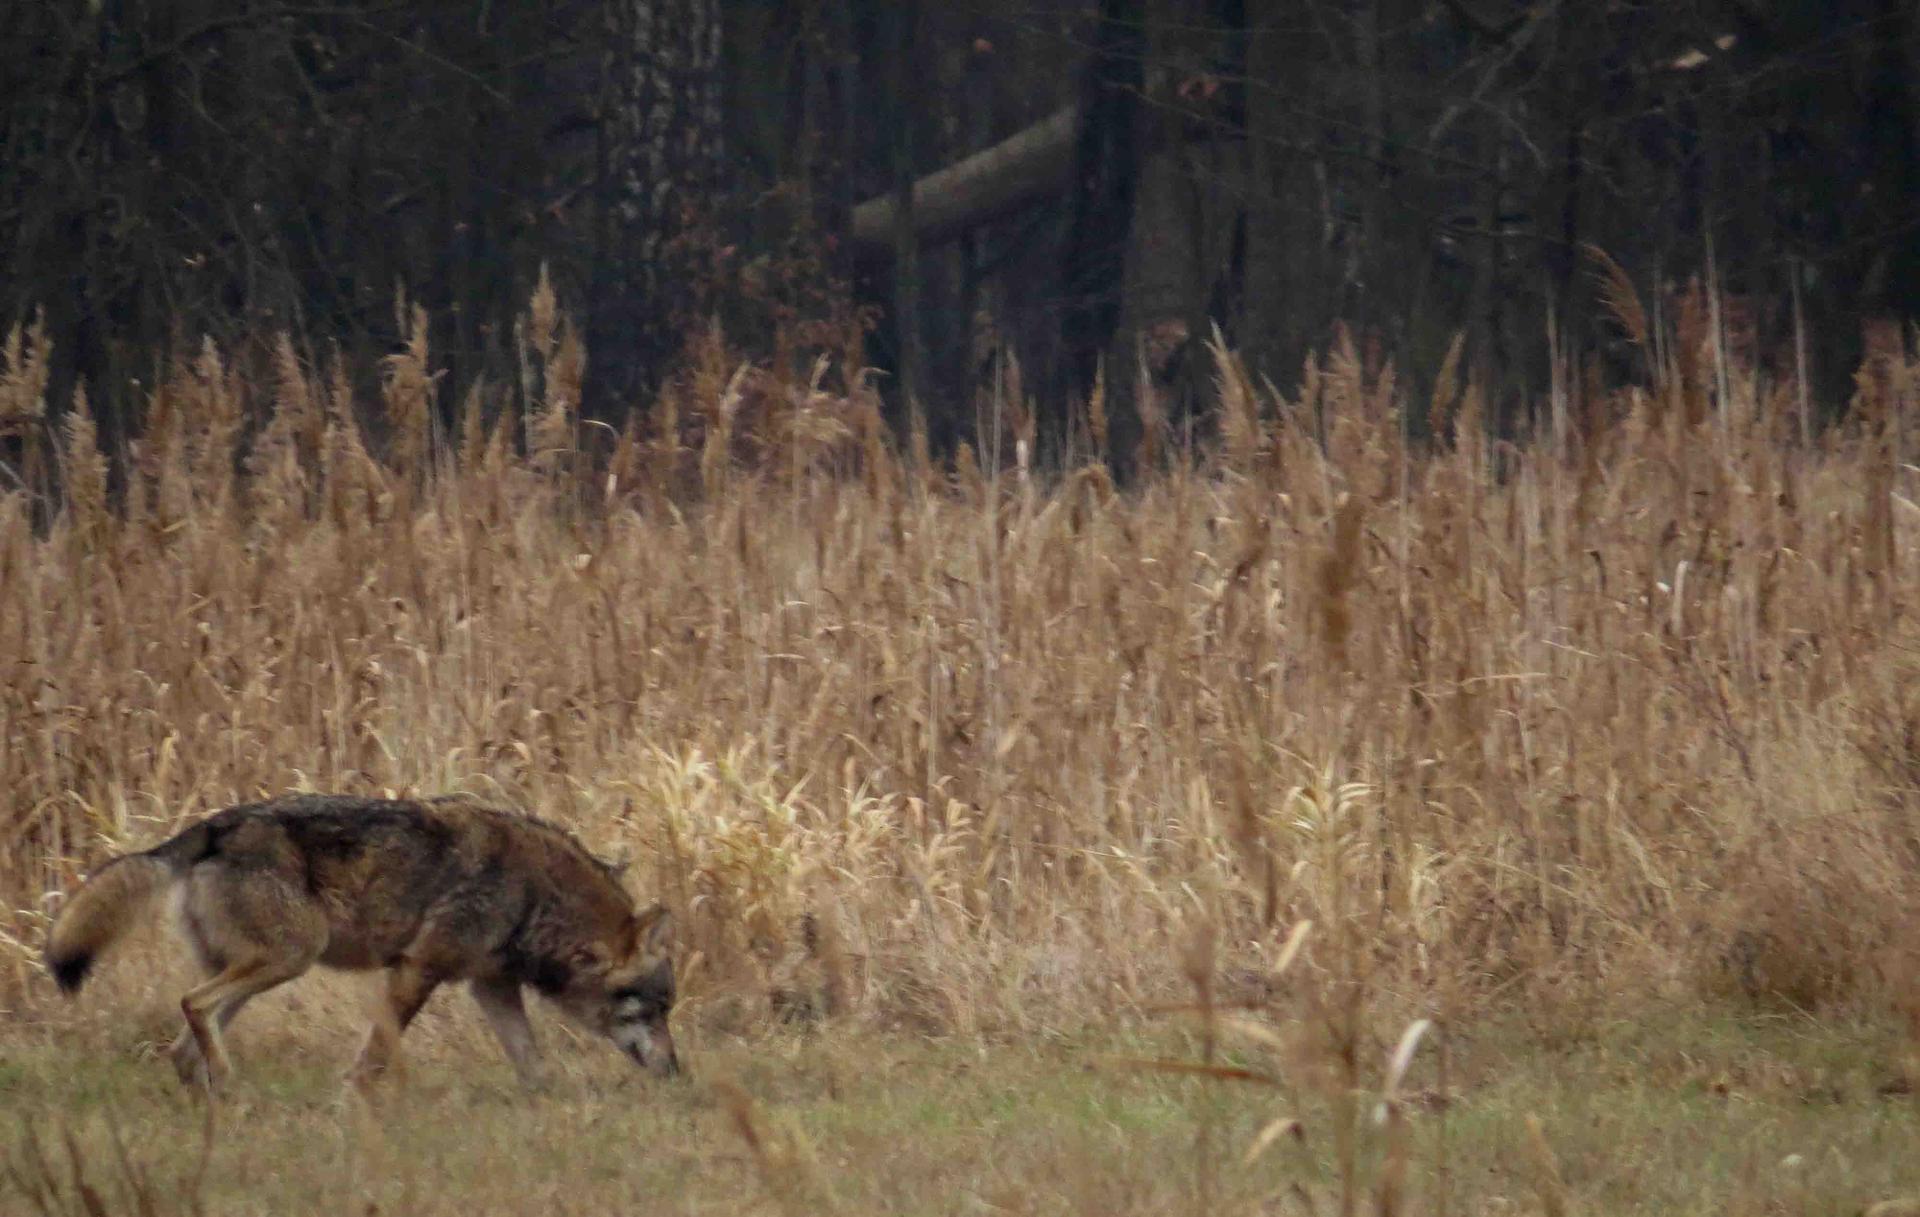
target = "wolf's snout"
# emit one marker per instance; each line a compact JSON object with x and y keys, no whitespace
{"x":653,"y":1051}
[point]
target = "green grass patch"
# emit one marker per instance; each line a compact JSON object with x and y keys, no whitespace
{"x":1679,"y":1112}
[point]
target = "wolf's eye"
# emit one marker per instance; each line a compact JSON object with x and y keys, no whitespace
{"x":637,"y":1009}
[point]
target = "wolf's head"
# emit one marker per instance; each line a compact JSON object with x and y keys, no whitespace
{"x":625,"y":992}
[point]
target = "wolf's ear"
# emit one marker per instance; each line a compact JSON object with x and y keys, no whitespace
{"x":653,"y":929}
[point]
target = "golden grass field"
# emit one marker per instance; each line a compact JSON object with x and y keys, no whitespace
{"x":1583,"y":771}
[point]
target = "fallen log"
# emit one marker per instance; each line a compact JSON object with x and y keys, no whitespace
{"x":1028,"y":165}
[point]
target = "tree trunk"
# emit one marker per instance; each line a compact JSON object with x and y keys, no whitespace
{"x":1893,"y":152}
{"x":660,"y":177}
{"x":1105,"y":162}
{"x":904,"y":18}
{"x":1369,"y":257}
{"x":1183,"y":202}
{"x":1264,"y":333}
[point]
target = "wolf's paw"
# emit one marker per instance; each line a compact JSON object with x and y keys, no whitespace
{"x":533,"y":1084}
{"x":193,"y":1068}
{"x":189,"y":1064}
{"x":372,"y":1074}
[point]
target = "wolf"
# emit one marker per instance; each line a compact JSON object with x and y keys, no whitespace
{"x":434,"y":890}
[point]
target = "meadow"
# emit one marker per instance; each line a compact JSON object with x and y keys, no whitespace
{"x":1321,"y":819}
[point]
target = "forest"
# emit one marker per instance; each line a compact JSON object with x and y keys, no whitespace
{"x":1080,"y":190}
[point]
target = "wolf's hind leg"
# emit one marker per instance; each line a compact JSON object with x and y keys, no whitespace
{"x":212,"y":1005}
{"x":408,"y":987}
{"x":506,"y":1013}
{"x":185,"y":1053}
{"x":259,"y":928}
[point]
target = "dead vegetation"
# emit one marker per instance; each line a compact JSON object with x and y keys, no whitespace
{"x":1627,"y":705}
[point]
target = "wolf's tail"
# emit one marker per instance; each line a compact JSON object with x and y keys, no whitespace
{"x":96,"y":916}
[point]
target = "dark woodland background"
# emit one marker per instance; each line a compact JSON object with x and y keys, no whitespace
{"x":1099,"y":182}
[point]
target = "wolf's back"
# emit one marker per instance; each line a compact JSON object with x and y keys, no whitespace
{"x":109,"y":902}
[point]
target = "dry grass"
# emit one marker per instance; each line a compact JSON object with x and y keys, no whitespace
{"x":1626,"y":709}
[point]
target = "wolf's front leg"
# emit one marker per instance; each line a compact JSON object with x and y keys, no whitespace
{"x":500,"y":1001}
{"x":408,"y":987}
